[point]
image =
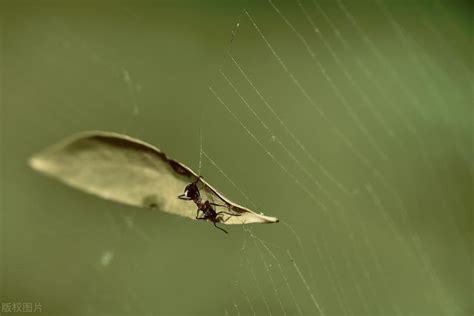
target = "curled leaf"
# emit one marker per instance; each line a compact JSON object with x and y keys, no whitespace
{"x":123,"y":169}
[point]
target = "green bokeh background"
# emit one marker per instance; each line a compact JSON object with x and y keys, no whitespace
{"x":387,"y":114}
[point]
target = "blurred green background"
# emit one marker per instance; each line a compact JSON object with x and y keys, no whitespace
{"x":358,"y":139}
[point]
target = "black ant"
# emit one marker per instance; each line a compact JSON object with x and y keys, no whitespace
{"x":191,"y":192}
{"x":211,"y":214}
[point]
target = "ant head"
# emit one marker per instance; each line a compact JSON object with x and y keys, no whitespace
{"x":191,"y":192}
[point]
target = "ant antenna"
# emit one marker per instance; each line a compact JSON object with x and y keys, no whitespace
{"x":198,"y":179}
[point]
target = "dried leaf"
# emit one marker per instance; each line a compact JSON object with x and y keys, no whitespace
{"x":123,"y":169}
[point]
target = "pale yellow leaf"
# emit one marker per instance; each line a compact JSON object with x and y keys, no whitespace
{"x":123,"y":169}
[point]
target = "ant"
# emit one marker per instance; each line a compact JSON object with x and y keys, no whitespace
{"x":191,"y":192}
{"x":211,"y":214}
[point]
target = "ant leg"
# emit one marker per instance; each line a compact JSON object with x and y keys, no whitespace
{"x":184,"y":197}
{"x":215,"y":225}
{"x":197,"y":214}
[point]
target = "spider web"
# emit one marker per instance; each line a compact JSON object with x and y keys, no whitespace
{"x":355,"y":269}
{"x":350,"y":122}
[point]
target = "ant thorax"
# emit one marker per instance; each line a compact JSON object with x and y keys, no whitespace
{"x":203,"y":206}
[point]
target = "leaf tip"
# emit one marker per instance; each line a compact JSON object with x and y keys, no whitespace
{"x":269,"y":219}
{"x":274,"y":220}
